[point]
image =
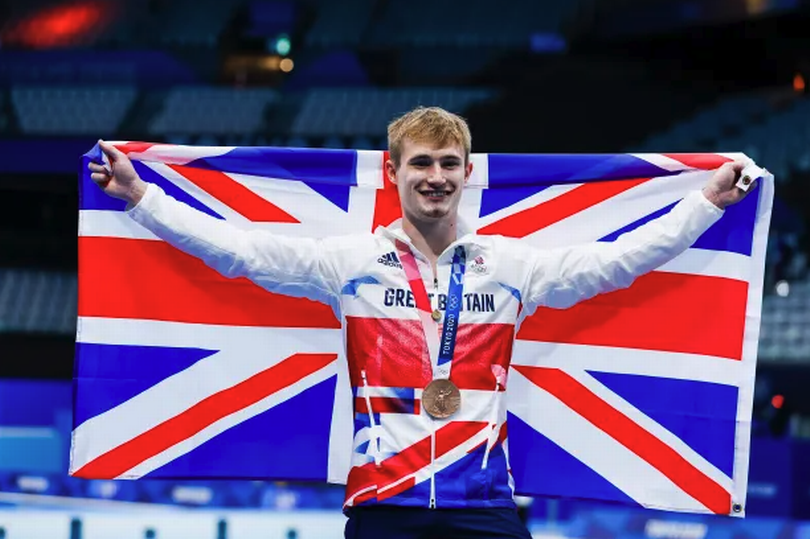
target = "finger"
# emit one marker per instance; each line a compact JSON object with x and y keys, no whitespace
{"x":112,"y":152}
{"x":95,"y":167}
{"x":733,"y":166}
{"x":738,"y":166}
{"x":100,"y":177}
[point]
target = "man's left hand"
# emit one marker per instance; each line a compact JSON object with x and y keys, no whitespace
{"x":721,"y":189}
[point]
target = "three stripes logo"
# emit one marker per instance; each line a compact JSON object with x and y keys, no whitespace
{"x":390,"y":259}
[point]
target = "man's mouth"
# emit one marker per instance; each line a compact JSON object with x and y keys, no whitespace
{"x":435,"y":194}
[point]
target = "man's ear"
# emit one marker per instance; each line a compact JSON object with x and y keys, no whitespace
{"x":391,"y":171}
{"x":468,"y":172}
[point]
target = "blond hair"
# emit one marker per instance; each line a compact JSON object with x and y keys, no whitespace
{"x":432,"y":125}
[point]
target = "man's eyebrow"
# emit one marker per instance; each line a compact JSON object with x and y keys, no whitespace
{"x":427,"y":157}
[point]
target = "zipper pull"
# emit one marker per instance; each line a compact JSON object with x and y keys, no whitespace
{"x":433,"y":503}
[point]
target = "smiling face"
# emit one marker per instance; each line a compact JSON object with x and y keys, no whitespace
{"x":430,"y":163}
{"x":430,"y":179}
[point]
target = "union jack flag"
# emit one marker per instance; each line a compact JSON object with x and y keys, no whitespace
{"x":640,"y":396}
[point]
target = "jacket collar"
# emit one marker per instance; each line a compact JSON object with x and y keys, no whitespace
{"x":395,"y":232}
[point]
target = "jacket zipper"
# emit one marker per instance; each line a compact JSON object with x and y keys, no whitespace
{"x":432,"y":426}
{"x":432,"y":469}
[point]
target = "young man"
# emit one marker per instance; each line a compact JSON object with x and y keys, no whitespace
{"x":400,"y":294}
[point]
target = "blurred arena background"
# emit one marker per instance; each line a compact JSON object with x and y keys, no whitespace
{"x":530,"y":75}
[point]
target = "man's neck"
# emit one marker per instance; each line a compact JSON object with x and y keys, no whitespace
{"x":431,"y":239}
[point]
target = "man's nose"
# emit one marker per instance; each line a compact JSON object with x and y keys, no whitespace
{"x":435,"y":174}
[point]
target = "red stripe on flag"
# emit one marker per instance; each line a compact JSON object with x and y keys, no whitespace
{"x":386,"y":207}
{"x":704,"y":161}
{"x":159,"y":282}
{"x":664,"y":311}
{"x":203,"y":414}
{"x":410,"y":460}
{"x":134,"y":147}
{"x":528,"y":221}
{"x":632,"y":436}
{"x":235,"y":195}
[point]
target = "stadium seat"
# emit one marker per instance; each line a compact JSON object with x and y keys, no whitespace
{"x":89,"y":110}
{"x":367,"y":111}
{"x":38,"y":301}
{"x":212,"y":111}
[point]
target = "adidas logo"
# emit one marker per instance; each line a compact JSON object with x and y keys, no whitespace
{"x":390,"y":259}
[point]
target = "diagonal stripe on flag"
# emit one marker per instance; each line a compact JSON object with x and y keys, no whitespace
{"x":235,"y":195}
{"x":184,"y":425}
{"x":521,"y":224}
{"x":658,"y":454}
{"x":705,"y":161}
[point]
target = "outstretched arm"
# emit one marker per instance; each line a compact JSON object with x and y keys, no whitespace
{"x":292,"y":266}
{"x":561,"y":278}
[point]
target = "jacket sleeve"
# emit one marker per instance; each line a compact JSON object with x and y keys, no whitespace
{"x":293,"y":266}
{"x":560,"y":278}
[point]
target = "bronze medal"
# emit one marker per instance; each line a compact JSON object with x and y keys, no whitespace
{"x":441,"y":398}
{"x":436,"y":315}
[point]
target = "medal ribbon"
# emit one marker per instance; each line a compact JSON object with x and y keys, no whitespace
{"x":441,"y":349}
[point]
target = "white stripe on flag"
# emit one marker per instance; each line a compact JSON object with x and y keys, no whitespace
{"x":178,"y":154}
{"x":479,"y":179}
{"x":244,"y":339}
{"x":111,"y":224}
{"x":610,"y":359}
{"x":369,"y":171}
{"x":661,"y":160}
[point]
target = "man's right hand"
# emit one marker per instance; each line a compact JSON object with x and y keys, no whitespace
{"x":121,"y":181}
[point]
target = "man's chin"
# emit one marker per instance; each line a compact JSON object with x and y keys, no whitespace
{"x":434,"y":214}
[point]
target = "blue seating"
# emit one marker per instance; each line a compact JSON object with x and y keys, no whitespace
{"x":212,"y":111}
{"x":38,"y":301}
{"x":367,"y":111}
{"x":90,"y":110}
